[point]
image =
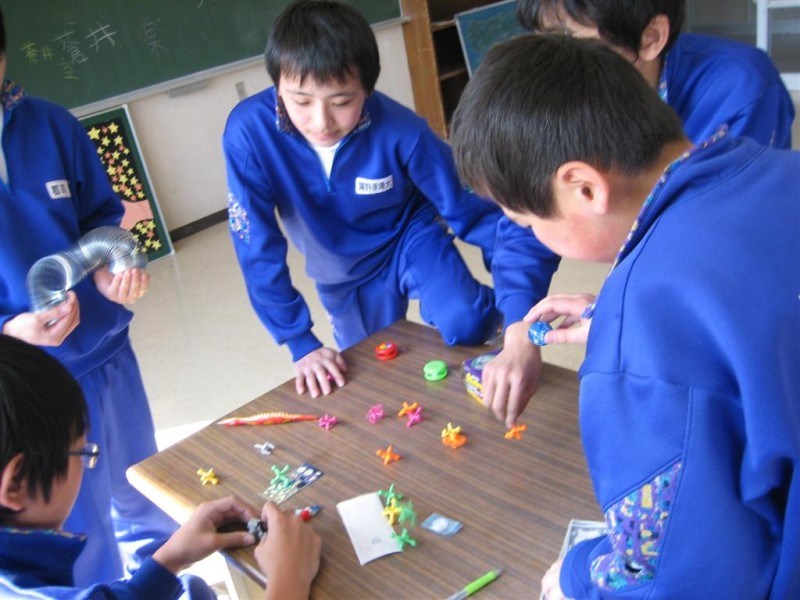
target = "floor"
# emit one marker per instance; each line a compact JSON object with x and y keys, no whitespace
{"x":203,"y":352}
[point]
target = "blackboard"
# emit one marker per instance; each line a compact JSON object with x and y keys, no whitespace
{"x":79,"y":52}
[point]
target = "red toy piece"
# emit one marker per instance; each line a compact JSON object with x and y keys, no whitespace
{"x":386,"y":350}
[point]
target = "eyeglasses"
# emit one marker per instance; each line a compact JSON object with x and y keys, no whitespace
{"x":89,"y":454}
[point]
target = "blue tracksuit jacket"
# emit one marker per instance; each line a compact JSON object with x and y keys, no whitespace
{"x":44,"y":145}
{"x":389,"y":175}
{"x":39,"y":564}
{"x":711,"y":82}
{"x":57,"y":191}
{"x":690,"y":391}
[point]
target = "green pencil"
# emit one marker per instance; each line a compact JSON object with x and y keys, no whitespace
{"x":476,"y":585}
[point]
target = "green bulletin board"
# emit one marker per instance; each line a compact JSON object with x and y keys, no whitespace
{"x":78,"y":52}
{"x":113,"y":135}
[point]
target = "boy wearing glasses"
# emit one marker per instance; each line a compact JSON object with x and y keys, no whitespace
{"x":43,"y":454}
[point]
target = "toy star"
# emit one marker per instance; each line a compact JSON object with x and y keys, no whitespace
{"x":407,"y":514}
{"x":390,"y":494}
{"x":392,"y":511}
{"x":404,"y":538}
{"x":387,"y":455}
{"x":515,"y":433}
{"x":375,"y":413}
{"x":407,"y":408}
{"x":207,"y":477}
{"x":452,"y":436}
{"x":327,"y":421}
{"x":414,"y":417}
{"x":265,"y":448}
{"x":280,"y":479}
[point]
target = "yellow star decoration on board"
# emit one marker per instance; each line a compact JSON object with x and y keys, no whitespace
{"x":94,"y":133}
{"x":113,"y":127}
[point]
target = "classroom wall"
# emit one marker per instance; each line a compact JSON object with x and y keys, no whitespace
{"x":180,"y":137}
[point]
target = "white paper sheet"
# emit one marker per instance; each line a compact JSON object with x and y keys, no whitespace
{"x":369,"y":531}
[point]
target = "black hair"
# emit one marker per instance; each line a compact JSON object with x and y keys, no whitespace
{"x":2,"y":33}
{"x":619,"y":22}
{"x":324,"y":40}
{"x":42,"y":413}
{"x":539,"y":101}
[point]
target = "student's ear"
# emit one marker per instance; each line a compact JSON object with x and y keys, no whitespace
{"x":654,"y":38}
{"x":13,"y":489}
{"x":583,"y":185}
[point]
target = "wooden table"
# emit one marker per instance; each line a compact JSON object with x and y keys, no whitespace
{"x":514,"y":497}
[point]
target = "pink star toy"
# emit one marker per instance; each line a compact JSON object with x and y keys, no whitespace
{"x":375,"y":413}
{"x":327,"y":421}
{"x":414,"y":417}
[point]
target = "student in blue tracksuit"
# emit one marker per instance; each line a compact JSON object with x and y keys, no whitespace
{"x":362,"y":186}
{"x":44,"y":456}
{"x":52,"y":191}
{"x":710,"y":82}
{"x":690,"y":391}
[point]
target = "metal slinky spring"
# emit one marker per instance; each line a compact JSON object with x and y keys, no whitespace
{"x":51,"y":277}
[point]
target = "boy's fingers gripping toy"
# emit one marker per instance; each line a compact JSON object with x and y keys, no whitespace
{"x":258,"y":528}
{"x":537,"y":331}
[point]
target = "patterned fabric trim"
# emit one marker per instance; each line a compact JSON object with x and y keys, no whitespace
{"x":636,"y":525}
{"x":53,"y":532}
{"x":11,"y":94}
{"x":238,"y":220}
{"x":284,"y":124}
{"x":663,"y":89}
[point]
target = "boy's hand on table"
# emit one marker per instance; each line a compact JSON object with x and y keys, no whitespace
{"x":511,"y":378}
{"x":123,"y":288}
{"x":199,"y":536}
{"x":48,"y":328}
{"x":317,"y":370}
{"x":573,"y":329}
{"x":288,"y":555}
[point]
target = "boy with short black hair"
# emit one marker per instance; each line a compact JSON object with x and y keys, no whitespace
{"x":43,"y":451}
{"x":709,"y":81}
{"x":361,"y":185}
{"x":689,"y":407}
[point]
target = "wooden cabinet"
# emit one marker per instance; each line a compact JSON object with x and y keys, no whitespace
{"x":438,"y":70}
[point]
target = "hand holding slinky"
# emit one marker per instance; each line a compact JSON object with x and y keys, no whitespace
{"x":125,"y":287}
{"x":574,"y":328}
{"x":47,"y":328}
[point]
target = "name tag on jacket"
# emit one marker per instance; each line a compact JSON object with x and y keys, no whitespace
{"x":366,"y":186}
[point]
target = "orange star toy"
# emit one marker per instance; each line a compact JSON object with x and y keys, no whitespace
{"x":387,"y":455}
